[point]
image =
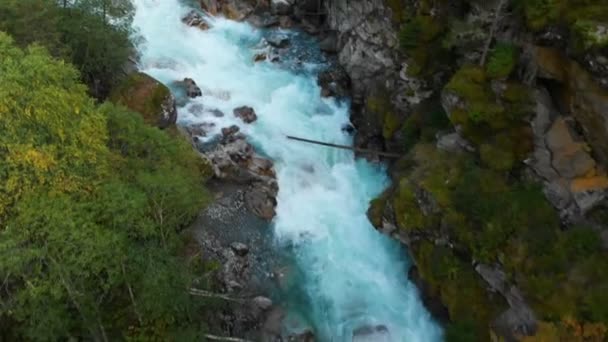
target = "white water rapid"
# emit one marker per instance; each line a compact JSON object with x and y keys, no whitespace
{"x":354,"y":279}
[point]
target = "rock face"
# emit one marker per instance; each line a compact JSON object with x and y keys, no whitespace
{"x":582,"y":96}
{"x":147,"y":96}
{"x":574,"y":183}
{"x":334,"y":82}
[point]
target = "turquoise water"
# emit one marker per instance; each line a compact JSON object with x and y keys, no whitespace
{"x":350,"y":276}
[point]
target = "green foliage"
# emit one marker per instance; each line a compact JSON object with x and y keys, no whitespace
{"x":418,"y":31}
{"x":493,"y":120}
{"x":461,"y":331}
{"x":492,"y":218}
{"x":420,"y":39}
{"x":502,"y":60}
{"x":581,"y":17}
{"x":77,"y":31}
{"x":92,"y":201}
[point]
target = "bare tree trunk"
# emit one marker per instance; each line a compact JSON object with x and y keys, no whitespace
{"x":124,"y":273}
{"x":497,"y":17}
{"x":207,"y":294}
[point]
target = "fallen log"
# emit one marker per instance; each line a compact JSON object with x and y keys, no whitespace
{"x":345,"y":147}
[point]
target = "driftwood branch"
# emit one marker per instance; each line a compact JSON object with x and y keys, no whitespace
{"x":344,"y":147}
{"x":228,"y":339}
{"x":208,"y":294}
{"x":497,"y":17}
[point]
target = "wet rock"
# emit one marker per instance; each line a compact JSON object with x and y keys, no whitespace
{"x":334,"y":82}
{"x":329,"y":44}
{"x":348,"y":129}
{"x":278,"y":41}
{"x":286,"y":22}
{"x":194,"y":19}
{"x":228,"y":131}
{"x":264,"y":20}
{"x":240,"y":249}
{"x":192,"y":90}
{"x":245,"y":113}
{"x":260,"y":57}
{"x":282,"y":7}
{"x":200,"y":129}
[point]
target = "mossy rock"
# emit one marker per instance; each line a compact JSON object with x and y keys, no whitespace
{"x":583,"y":18}
{"x":502,"y":61}
{"x":147,"y":96}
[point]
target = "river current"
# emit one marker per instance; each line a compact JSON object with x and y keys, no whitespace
{"x":353,"y":280}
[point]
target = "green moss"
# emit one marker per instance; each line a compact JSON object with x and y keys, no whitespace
{"x":496,"y":158}
{"x":469,"y":82}
{"x":502,"y":60}
{"x":375,"y":213}
{"x":420,"y":30}
{"x":408,"y":214}
{"x":392,"y":123}
{"x":384,"y":113}
{"x":581,"y":17}
{"x":398,"y":9}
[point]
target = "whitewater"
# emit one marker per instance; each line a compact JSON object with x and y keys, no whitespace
{"x":353,"y":278}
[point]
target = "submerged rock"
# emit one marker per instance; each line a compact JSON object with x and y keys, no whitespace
{"x":378,"y":333}
{"x":194,"y":19}
{"x":278,"y":41}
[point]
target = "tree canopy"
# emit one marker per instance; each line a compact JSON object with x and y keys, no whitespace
{"x":92,"y":201}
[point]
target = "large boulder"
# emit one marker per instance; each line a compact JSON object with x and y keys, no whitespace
{"x":147,"y":96}
{"x":234,"y":159}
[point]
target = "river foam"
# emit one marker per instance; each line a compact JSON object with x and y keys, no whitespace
{"x":353,"y":280}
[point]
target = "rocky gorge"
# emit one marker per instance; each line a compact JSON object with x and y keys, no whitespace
{"x":499,"y":109}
